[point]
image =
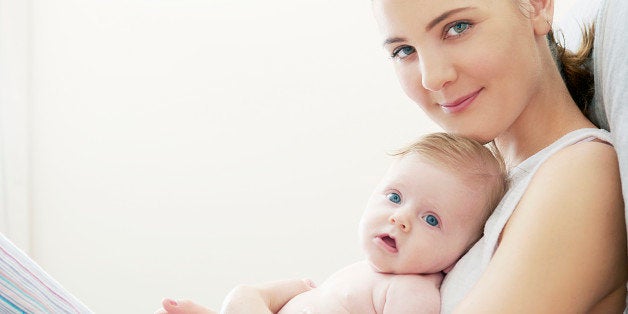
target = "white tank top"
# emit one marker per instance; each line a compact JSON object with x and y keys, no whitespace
{"x":470,"y":267}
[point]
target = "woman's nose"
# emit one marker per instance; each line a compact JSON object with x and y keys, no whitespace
{"x":436,"y":71}
{"x":400,"y":220}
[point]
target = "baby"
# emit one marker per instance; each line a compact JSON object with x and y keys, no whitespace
{"x":427,"y":211}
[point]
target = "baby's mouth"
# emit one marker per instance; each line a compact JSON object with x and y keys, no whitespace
{"x":387,"y":242}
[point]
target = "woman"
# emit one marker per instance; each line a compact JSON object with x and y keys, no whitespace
{"x":484,"y":69}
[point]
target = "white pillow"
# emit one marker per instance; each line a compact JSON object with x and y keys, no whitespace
{"x":610,"y":62}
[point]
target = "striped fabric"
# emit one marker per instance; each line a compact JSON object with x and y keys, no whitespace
{"x":27,"y":288}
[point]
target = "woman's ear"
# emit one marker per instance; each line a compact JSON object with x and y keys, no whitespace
{"x":542,"y":15}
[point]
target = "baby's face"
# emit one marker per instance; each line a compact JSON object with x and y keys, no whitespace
{"x":421,"y":218}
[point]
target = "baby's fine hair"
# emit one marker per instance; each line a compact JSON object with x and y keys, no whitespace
{"x":467,"y":157}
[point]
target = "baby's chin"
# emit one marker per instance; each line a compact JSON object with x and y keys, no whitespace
{"x":378,"y":267}
{"x":387,"y":268}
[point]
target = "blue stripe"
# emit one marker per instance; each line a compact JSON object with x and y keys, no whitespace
{"x":11,"y":304}
{"x":25,"y":295}
{"x":48,"y":295}
{"x":4,"y":308}
{"x":17,"y":271}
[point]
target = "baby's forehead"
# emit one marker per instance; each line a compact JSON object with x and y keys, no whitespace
{"x":469,"y":213}
{"x":439,"y":180}
{"x":413,"y":163}
{"x":471,"y":170}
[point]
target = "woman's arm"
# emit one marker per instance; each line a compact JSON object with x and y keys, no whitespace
{"x":564,"y":248}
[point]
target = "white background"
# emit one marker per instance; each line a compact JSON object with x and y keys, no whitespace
{"x":158,"y":148}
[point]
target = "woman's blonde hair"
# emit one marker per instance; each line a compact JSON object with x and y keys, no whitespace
{"x":467,"y":158}
{"x":576,"y":68}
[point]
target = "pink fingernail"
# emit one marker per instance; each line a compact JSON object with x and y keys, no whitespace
{"x":173,"y":302}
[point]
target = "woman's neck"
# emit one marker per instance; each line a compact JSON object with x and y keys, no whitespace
{"x":548,"y":117}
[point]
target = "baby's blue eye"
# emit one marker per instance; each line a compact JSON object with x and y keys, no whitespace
{"x":431,"y":220}
{"x":394,"y":197}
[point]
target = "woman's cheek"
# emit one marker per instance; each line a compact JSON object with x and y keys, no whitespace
{"x":411,"y":84}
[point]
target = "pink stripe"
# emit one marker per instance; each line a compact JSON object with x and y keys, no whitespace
{"x":25,"y":290}
{"x":39,"y":280}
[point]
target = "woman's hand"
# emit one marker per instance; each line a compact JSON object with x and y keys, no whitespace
{"x":246,"y":299}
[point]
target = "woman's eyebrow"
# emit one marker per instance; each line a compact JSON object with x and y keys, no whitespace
{"x":445,"y":15}
{"x":430,"y":25}
{"x":393,"y":40}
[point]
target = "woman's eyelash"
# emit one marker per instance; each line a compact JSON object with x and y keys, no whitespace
{"x":395,"y":52}
{"x":459,"y":28}
{"x":405,"y":50}
{"x":454,"y":29}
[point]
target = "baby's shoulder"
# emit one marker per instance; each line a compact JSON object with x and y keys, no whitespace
{"x":357,"y":279}
{"x":413,"y":282}
{"x":411,"y":292}
{"x":390,"y":293}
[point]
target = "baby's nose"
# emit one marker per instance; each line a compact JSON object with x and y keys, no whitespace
{"x":400,"y":222}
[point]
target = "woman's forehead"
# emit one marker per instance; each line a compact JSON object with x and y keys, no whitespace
{"x":427,"y":12}
{"x":398,"y":20}
{"x":422,"y":14}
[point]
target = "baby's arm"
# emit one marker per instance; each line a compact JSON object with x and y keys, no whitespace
{"x":413,"y":294}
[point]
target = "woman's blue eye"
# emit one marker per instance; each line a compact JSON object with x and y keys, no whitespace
{"x":402,"y":52}
{"x":457,"y":29}
{"x":394,"y":197}
{"x":431,"y":220}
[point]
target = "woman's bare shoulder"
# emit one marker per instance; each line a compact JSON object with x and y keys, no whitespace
{"x":581,"y":181}
{"x":588,"y":166}
{"x":571,"y":219}
{"x":593,"y":154}
{"x":564,"y":247}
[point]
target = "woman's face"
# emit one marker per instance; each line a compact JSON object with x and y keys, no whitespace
{"x":472,"y":65}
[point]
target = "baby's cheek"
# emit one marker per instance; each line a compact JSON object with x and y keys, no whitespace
{"x":363,"y":234}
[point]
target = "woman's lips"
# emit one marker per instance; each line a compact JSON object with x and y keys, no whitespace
{"x":386,"y":242}
{"x":460,"y":103}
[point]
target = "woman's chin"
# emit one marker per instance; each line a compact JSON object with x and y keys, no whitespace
{"x":477,"y":136}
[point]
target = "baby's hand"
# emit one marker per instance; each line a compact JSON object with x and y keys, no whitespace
{"x":170,"y":306}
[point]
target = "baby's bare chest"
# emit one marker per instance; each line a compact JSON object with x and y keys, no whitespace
{"x":337,"y":298}
{"x":355,"y":289}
